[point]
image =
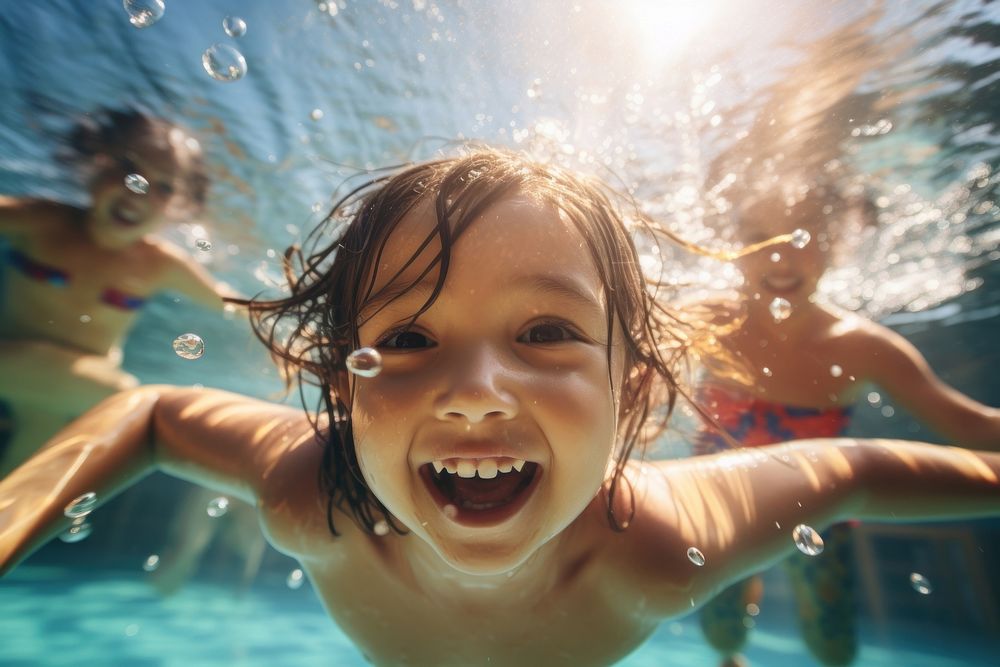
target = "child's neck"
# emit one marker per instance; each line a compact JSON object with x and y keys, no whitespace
{"x":522,"y":586}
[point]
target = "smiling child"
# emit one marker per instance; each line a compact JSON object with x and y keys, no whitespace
{"x":475,"y":502}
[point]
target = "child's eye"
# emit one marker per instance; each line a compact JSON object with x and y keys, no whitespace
{"x":549,"y":332}
{"x":405,"y":340}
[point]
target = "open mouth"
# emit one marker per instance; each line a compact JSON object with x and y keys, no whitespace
{"x":480,"y":492}
{"x":125,"y":217}
{"x":782,"y":284}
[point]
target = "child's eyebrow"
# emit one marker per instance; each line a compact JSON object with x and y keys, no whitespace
{"x":558,"y":286}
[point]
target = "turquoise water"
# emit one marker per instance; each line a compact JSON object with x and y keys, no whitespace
{"x":598,"y":85}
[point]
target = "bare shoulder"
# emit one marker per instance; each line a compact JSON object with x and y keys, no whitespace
{"x":163,"y":252}
{"x":649,"y":557}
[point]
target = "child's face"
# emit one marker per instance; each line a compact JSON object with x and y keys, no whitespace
{"x":797,"y":271}
{"x":509,"y":365}
{"x":119,"y":216}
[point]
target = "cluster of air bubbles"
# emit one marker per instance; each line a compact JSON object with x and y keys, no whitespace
{"x":316,"y":114}
{"x":217,"y":507}
{"x":295,"y":579}
{"x":381,"y":528}
{"x":365,"y":362}
{"x":535,"y":89}
{"x":695,"y":556}
{"x":137,"y":184}
{"x":144,"y":13}
{"x":151,"y":563}
{"x":203,"y":244}
{"x":807,"y":539}
{"x":883,"y":126}
{"x":81,"y":506}
{"x":800,"y":238}
{"x":780,"y":309}
{"x":224,"y":63}
{"x":189,"y":346}
{"x":836,"y":371}
{"x":920,"y":583}
{"x":234,"y":26}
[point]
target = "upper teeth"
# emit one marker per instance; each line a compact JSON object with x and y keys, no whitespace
{"x":486,"y":468}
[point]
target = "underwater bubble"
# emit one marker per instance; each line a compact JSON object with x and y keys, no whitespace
{"x":295,"y":579}
{"x":80,"y":530}
{"x":203,"y":244}
{"x":807,"y":539}
{"x":888,"y":411}
{"x":920,"y":583}
{"x":874,"y":398}
{"x":766,"y":371}
{"x":151,"y":563}
{"x":775,"y":257}
{"x":85,"y":318}
{"x":137,"y":184}
{"x":800,"y":238}
{"x":217,"y":507}
{"x":189,"y":346}
{"x":234,"y":26}
{"x":81,"y":506}
{"x":696,"y":556}
{"x":224,"y":63}
{"x":836,"y":371}
{"x":365,"y":362}
{"x":753,"y":609}
{"x":450,"y":511}
{"x":381,"y":528}
{"x":780,"y":309}
{"x":316,"y":114}
{"x":143,"y":13}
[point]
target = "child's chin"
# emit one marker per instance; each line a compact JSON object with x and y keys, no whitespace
{"x":485,"y":561}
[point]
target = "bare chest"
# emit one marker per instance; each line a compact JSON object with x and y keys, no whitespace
{"x":395,"y":623}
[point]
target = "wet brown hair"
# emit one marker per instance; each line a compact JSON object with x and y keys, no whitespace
{"x":311,"y":331}
{"x":104,"y":133}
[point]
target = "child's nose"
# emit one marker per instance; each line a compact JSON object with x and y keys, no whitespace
{"x":476,"y":388}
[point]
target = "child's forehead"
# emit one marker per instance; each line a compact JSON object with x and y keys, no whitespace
{"x":519,"y":234}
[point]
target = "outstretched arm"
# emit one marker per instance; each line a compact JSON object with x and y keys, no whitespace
{"x":214,"y":438}
{"x":896,"y":365}
{"x":189,"y":278}
{"x":740,"y":508}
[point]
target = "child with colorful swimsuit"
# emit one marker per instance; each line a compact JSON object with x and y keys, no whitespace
{"x":75,"y":278}
{"x":475,"y":502}
{"x":804,"y":364}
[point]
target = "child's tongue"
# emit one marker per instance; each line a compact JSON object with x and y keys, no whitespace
{"x":478,"y":493}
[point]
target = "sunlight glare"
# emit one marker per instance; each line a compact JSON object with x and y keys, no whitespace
{"x":666,"y":27}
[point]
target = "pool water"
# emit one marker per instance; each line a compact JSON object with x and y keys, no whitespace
{"x":628,"y":90}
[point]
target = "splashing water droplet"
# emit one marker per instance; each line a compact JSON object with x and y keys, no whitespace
{"x":217,"y":507}
{"x":224,"y":63}
{"x":316,"y":114}
{"x":381,"y":528}
{"x":807,"y":540}
{"x":234,"y":26}
{"x":836,"y":371}
{"x":81,"y":506}
{"x":295,"y":579}
{"x":189,"y":346}
{"x":780,"y":309}
{"x":920,"y":583}
{"x":137,"y":184}
{"x":144,"y":13}
{"x":695,"y":556}
{"x":151,"y":563}
{"x":800,"y":238}
{"x":365,"y":362}
{"x":203,"y":244}
{"x":80,"y":530}
{"x":775,"y":257}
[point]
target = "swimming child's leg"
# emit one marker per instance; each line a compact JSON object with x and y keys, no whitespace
{"x":723,"y":618}
{"x":824,"y":592}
